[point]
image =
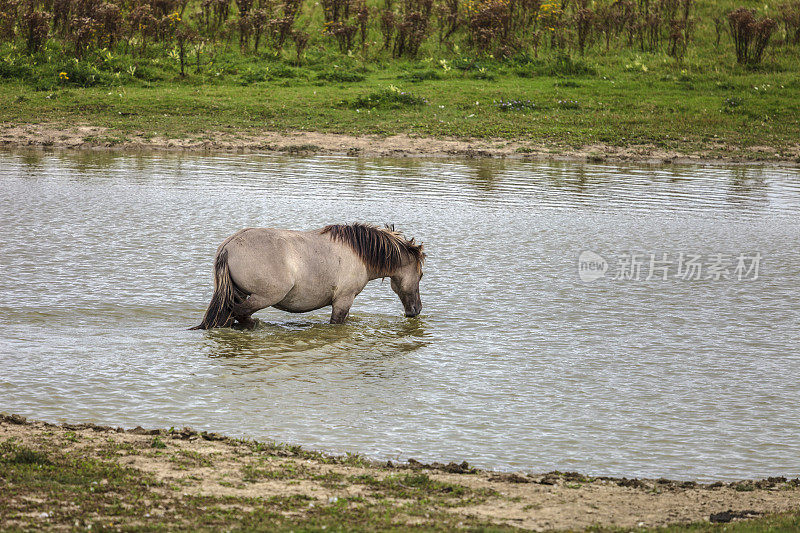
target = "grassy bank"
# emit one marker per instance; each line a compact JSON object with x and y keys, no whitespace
{"x":751,"y":115}
{"x":550,"y":92}
{"x":82,"y":476}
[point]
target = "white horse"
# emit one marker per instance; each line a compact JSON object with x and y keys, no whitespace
{"x":299,"y":271}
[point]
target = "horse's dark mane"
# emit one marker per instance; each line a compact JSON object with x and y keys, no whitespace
{"x":380,"y":248}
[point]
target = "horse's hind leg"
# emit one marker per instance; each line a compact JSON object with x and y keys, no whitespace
{"x":243,"y":310}
{"x":245,"y":322}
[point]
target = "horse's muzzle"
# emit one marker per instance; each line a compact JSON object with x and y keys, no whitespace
{"x":414,"y":311}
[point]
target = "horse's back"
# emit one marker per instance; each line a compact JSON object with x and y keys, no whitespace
{"x":299,"y":270}
{"x":259,"y":258}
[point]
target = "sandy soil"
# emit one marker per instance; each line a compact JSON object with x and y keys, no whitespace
{"x":55,"y":136}
{"x":540,"y":502}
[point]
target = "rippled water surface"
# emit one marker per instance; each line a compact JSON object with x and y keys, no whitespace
{"x":516,"y":363}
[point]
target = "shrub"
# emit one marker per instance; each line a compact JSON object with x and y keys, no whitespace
{"x":362,"y":15}
{"x":343,"y":33}
{"x":391,"y":98}
{"x":109,"y":22}
{"x":612,"y":19}
{"x":340,"y":76}
{"x":423,"y":75}
{"x":258,"y":21}
{"x":270,"y":73}
{"x":750,"y":35}
{"x":84,"y":31}
{"x":37,"y":26}
{"x":449,"y":19}
{"x":790,"y":16}
{"x":13,"y":71}
{"x":281,"y":27}
{"x":214,"y":14}
{"x":469,"y":63}
{"x":502,"y":28}
{"x":550,"y":19}
{"x":679,"y":38}
{"x":142,"y":21}
{"x":515,"y":105}
{"x":584,"y":22}
{"x":84,"y":74}
{"x":340,"y":22}
{"x":488,"y":22}
{"x":300,"y":39}
{"x":8,"y":19}
{"x":483,"y":74}
{"x":387,"y":23}
{"x":564,"y":65}
{"x":184,"y":36}
{"x":411,"y":27}
{"x":147,"y":73}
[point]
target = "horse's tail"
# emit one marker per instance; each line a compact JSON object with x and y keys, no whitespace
{"x":220,"y":311}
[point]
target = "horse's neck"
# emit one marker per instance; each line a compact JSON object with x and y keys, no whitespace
{"x":374,"y":275}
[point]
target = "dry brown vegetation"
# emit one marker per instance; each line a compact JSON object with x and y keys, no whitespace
{"x":497,"y":27}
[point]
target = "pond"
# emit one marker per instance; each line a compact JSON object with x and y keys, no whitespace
{"x":606,"y":318}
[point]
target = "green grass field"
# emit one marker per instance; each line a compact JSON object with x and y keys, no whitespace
{"x":667,"y":107}
{"x":703,"y":102}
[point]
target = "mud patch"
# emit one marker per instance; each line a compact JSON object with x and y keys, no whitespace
{"x":730,"y":515}
{"x":305,"y":142}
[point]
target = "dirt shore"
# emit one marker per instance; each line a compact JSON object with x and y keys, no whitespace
{"x":65,"y":476}
{"x":96,"y":137}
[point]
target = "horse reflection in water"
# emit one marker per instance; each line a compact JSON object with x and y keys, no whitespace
{"x":300,"y":343}
{"x":300,"y":271}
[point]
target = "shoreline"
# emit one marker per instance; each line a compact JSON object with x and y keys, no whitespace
{"x":179,"y":475}
{"x":47,"y":136}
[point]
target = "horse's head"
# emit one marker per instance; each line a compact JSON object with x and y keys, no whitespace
{"x":405,"y":283}
{"x":387,"y":254}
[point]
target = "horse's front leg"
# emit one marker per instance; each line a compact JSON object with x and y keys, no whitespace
{"x":341,"y":307}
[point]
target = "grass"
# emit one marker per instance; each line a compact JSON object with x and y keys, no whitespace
{"x":389,"y":98}
{"x":48,"y":487}
{"x":412,"y":486}
{"x":628,"y":109}
{"x":782,"y":523}
{"x":87,"y":486}
{"x":254,"y":473}
{"x":54,"y":481}
{"x":622,"y":98}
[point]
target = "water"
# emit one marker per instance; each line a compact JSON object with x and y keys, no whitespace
{"x":515,"y":363}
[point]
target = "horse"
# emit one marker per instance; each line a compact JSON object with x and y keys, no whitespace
{"x":300,"y":271}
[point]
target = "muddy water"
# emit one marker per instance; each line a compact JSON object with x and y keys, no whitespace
{"x":517,"y":363}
